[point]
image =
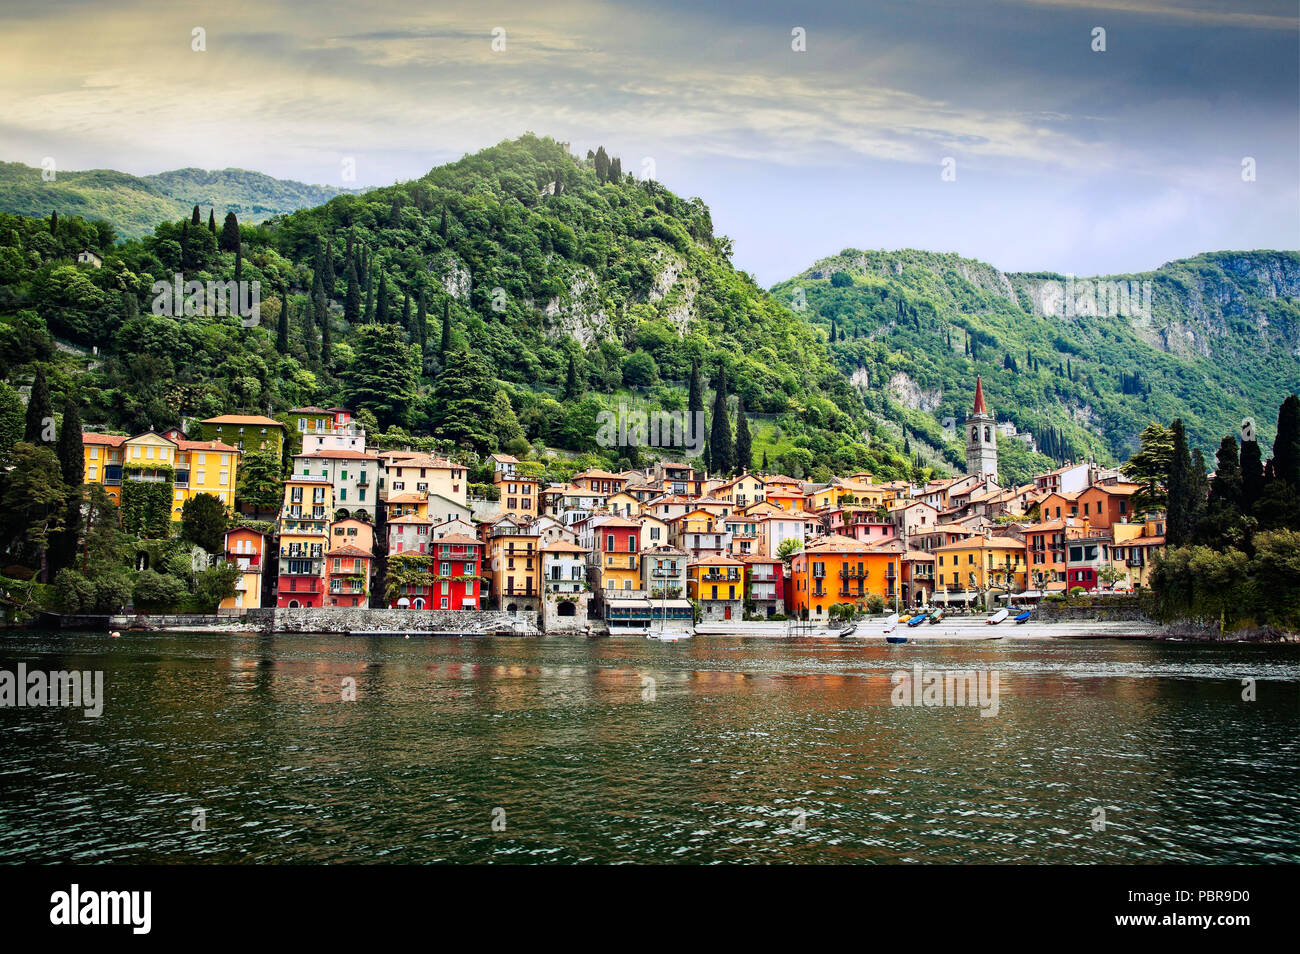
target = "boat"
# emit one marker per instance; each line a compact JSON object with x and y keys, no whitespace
{"x":849,"y":630}
{"x":891,"y":623}
{"x":997,"y":617}
{"x":895,"y":639}
{"x":918,"y":619}
{"x":1024,"y":617}
{"x":936,"y":616}
{"x":670,"y":636}
{"x":904,"y":618}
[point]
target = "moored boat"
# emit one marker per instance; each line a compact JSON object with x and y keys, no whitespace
{"x":936,"y":616}
{"x":997,"y":617}
{"x":1024,"y":617}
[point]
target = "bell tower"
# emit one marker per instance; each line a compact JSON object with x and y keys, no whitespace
{"x":981,"y":438}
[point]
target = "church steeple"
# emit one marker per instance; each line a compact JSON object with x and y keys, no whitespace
{"x":981,"y":437}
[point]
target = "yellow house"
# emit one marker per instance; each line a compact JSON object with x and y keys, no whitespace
{"x":516,"y":561}
{"x":304,"y":538}
{"x":408,"y":503}
{"x":196,"y":467}
{"x":744,"y":491}
{"x":978,"y":565}
{"x":843,"y":492}
{"x":717,"y":584}
{"x":623,"y":504}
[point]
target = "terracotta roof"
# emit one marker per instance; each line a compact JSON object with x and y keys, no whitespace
{"x":348,"y":550}
{"x":206,"y":446}
{"x":107,"y":440}
{"x":563,"y":546}
{"x":411,"y":518}
{"x":979,"y":407}
{"x":837,"y":543}
{"x":255,"y":419}
{"x":716,"y":561}
{"x":339,"y":455}
{"x":461,"y":539}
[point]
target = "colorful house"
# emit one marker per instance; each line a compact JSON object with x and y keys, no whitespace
{"x":250,"y":433}
{"x":448,"y":578}
{"x":304,"y":538}
{"x":353,"y":475}
{"x":717,"y":584}
{"x":246,"y":548}
{"x":838,"y":569}
{"x":980,"y":566}
{"x":764,"y":584}
{"x":194,"y":467}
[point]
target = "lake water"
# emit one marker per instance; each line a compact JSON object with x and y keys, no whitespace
{"x":714,"y":749}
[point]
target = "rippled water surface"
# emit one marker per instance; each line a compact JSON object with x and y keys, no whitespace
{"x":739,"y":750}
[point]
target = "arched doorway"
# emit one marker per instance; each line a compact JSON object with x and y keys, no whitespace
{"x":567,"y":609}
{"x":512,"y":609}
{"x":293,"y":604}
{"x":419,"y":603}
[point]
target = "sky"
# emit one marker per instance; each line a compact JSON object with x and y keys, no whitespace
{"x":991,"y":128}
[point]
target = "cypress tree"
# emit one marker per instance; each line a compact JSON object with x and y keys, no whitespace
{"x":445,"y":344}
{"x":1179,"y":522}
{"x":763,"y":469}
{"x":1252,"y":475}
{"x":282,"y":326}
{"x":212,"y":220}
{"x":442,"y":227}
{"x":196,"y":218}
{"x":239,"y":263}
{"x":1226,"y":489}
{"x":720,"y":448}
{"x":323,"y":320}
{"x":229,"y":240}
{"x":381,"y":311}
{"x":39,"y":425}
{"x":352,"y":297}
{"x":694,"y":405}
{"x":370,"y":297}
{"x":63,"y":548}
{"x":1286,"y":448}
{"x":744,"y":440}
{"x":572,"y":386}
{"x":406,"y":319}
{"x":421,"y":322}
{"x":54,"y":222}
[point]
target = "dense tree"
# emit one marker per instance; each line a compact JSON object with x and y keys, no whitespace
{"x":1180,"y":485}
{"x":39,"y":426}
{"x":63,"y":546}
{"x":203,"y":522}
{"x":744,"y":440}
{"x":720,"y":445}
{"x":384,"y":374}
{"x":12,"y":414}
{"x":230,"y":239}
{"x":352,"y":296}
{"x":34,"y":503}
{"x":259,"y":484}
{"x":464,"y":393}
{"x":1225,"y":490}
{"x":282,"y":325}
{"x":1286,"y":447}
{"x":1150,"y":465}
{"x":1252,"y":475}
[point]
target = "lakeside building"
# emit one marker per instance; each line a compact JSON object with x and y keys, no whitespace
{"x":348,"y":563}
{"x":717,"y":584}
{"x":193,"y":467}
{"x":836,"y":569}
{"x":246,"y":548}
{"x":249,"y":433}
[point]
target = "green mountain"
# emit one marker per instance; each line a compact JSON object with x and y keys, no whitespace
{"x":135,"y":204}
{"x":1082,"y":365}
{"x":505,"y":300}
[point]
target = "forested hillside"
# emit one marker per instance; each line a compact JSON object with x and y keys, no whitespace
{"x":134,"y":205}
{"x":1219,"y":341}
{"x":499,"y":302}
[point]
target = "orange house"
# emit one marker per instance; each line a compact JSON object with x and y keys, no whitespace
{"x":838,"y":569}
{"x":1104,"y":504}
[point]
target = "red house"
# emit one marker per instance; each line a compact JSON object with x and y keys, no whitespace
{"x":765,"y":579}
{"x":453,"y":581}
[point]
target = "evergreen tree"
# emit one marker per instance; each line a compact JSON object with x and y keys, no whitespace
{"x":39,"y":426}
{"x":54,"y":223}
{"x":384,"y":377}
{"x":1225,"y":491}
{"x":212,"y":220}
{"x":694,"y":407}
{"x":370,"y":297}
{"x":744,"y":440}
{"x":421,"y":322}
{"x":573,"y":387}
{"x":282,"y":326}
{"x":462,"y":399}
{"x":63,"y":546}
{"x":764,"y":465}
{"x":1180,"y":483}
{"x":1252,"y":475}
{"x":442,"y":227}
{"x":196,"y":218}
{"x":602,"y":165}
{"x":406,"y":319}
{"x":444,"y":344}
{"x":352,"y":297}
{"x":229,"y":240}
{"x":1286,"y":447}
{"x":322,"y":310}
{"x":720,"y":447}
{"x":381,"y":310}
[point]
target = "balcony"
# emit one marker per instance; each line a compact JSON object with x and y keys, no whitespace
{"x":517,"y":591}
{"x":852,"y":573}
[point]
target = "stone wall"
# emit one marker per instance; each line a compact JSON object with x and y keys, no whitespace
{"x":361,"y":619}
{"x":553,"y":622}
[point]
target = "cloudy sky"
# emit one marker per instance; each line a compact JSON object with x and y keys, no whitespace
{"x":1066,"y":158}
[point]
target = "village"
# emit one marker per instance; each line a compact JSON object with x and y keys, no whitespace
{"x":625,"y":552}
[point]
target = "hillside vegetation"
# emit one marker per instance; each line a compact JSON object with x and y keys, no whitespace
{"x":1219,"y":342}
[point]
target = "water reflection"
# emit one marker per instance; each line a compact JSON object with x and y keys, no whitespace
{"x":711,"y":750}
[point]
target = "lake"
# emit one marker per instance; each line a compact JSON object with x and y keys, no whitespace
{"x":249,"y":748}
